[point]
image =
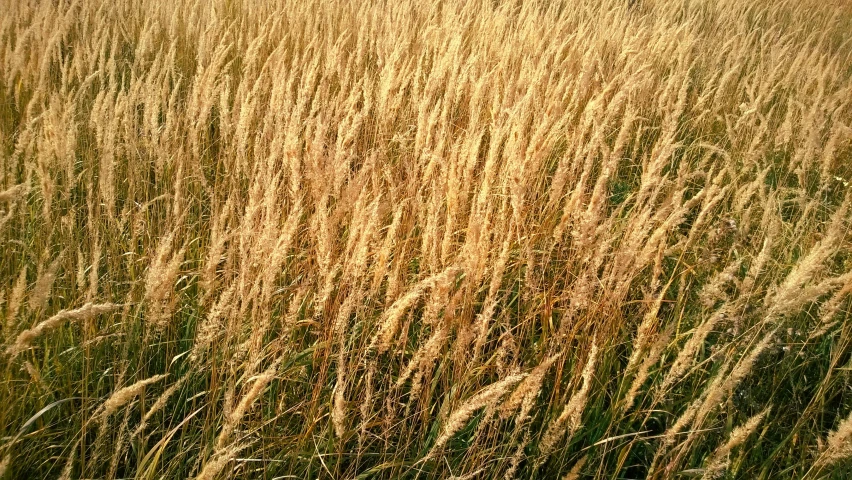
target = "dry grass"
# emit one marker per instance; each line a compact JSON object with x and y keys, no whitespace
{"x":458,"y":239}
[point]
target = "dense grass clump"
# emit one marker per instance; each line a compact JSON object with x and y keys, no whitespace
{"x":402,"y":239}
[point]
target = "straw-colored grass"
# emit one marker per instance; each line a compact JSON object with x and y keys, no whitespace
{"x":441,"y":239}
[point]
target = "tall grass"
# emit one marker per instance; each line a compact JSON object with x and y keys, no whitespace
{"x":454,"y":239}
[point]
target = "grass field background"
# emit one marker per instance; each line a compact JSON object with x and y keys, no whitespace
{"x":446,"y":239}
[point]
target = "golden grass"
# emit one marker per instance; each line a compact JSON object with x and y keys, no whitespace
{"x":452,"y":239}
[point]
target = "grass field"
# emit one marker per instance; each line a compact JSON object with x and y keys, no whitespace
{"x":481,"y":239}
